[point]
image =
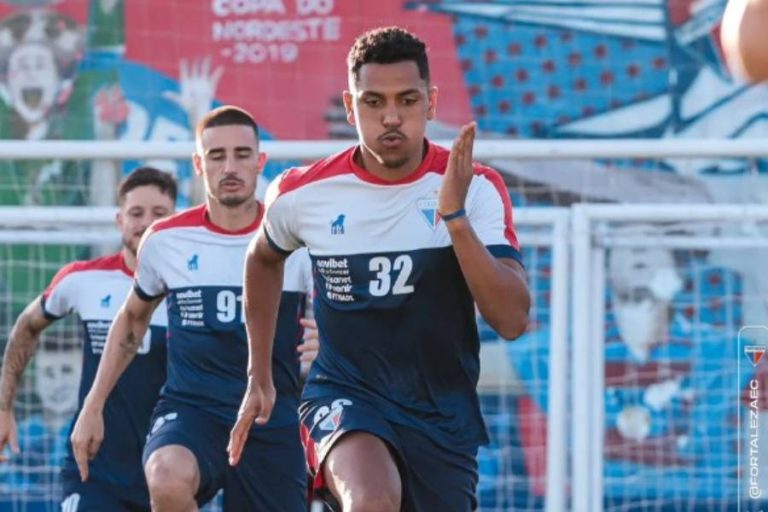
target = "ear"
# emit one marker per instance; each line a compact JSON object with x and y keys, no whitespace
{"x":348,"y":106}
{"x":197,"y":163}
{"x":432,"y":103}
{"x":262,"y":161}
{"x":119,"y":219}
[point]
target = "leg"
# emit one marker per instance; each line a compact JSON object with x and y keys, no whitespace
{"x":361,"y":473}
{"x":90,"y":496}
{"x":436,"y":478}
{"x":271,"y":475}
{"x":184,"y":458}
{"x":173,"y":478}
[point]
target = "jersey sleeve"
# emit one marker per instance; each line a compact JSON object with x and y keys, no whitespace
{"x":58,"y":300}
{"x":278,"y":220}
{"x":148,"y":282}
{"x":490,"y":212}
{"x":298,"y":272}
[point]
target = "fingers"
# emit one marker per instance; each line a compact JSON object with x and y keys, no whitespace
{"x":265,"y":412}
{"x":172,"y":96}
{"x":308,"y":356}
{"x":309,"y":345}
{"x":13,"y":439}
{"x":216,"y":76}
{"x":184,"y":72}
{"x":237,"y":437}
{"x":81,"y":458}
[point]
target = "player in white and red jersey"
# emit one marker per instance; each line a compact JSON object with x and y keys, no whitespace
{"x":94,"y":290}
{"x":195,"y":259}
{"x":405,"y":237}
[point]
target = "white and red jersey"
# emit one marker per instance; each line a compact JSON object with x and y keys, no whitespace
{"x":95,"y":290}
{"x":198,"y":267}
{"x":396,"y":317}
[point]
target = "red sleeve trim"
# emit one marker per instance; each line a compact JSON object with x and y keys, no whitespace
{"x":498,"y":183}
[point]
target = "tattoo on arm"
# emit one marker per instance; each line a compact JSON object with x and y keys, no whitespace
{"x":17,"y":354}
{"x":130,"y":344}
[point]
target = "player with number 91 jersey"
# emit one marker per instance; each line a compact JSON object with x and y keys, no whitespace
{"x":198,"y":266}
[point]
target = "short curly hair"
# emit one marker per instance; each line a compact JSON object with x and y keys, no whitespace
{"x":387,"y":45}
{"x":144,"y":176}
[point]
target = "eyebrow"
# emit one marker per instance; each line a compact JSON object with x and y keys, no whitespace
{"x":222,"y":150}
{"x":401,"y":93}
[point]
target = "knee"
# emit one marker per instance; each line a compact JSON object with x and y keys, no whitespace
{"x":170,"y":478}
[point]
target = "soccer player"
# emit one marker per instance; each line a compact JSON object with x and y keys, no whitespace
{"x":94,"y":290}
{"x":195,"y":260}
{"x":404,"y":236}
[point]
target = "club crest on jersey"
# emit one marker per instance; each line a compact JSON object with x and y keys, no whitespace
{"x":337,"y":226}
{"x":192,"y":262}
{"x":106,"y":300}
{"x":427,"y":207}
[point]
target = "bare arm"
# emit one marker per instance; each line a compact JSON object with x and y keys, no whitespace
{"x":123,"y":341}
{"x":499,"y":286}
{"x":263,"y":284}
{"x":22,"y":343}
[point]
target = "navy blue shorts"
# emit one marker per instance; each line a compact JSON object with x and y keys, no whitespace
{"x":271,"y":475}
{"x":92,"y":496}
{"x":433,"y":477}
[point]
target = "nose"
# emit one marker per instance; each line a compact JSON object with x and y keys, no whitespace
{"x":229,"y":165}
{"x":391,"y":117}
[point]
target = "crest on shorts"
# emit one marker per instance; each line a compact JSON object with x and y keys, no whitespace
{"x":328,"y":418}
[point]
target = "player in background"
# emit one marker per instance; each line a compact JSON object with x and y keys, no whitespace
{"x":195,"y":260}
{"x":404,"y":237}
{"x":94,"y":290}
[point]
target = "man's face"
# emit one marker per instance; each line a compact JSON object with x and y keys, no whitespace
{"x":390,"y":105}
{"x":229,"y":161}
{"x":57,"y":380}
{"x":33,"y":81}
{"x":141,"y":207}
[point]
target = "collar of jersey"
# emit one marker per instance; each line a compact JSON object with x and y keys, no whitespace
{"x":122,"y":265}
{"x":253,"y":226}
{"x":368,"y":176}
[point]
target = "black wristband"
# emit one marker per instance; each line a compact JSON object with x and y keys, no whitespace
{"x":455,"y":215}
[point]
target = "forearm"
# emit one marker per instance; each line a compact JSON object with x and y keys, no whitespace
{"x":22,"y":344}
{"x":500,"y":291}
{"x":123,"y":341}
{"x":263,"y":283}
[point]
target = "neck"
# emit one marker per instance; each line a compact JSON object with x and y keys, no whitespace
{"x":232,"y":218}
{"x":368,"y":161}
{"x":129,"y":258}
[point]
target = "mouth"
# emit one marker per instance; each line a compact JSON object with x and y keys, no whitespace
{"x":32,"y":96}
{"x":392,"y":140}
{"x":230,"y":184}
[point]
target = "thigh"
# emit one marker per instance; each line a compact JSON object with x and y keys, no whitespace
{"x":348,"y":440}
{"x":92,"y":497}
{"x":271,"y":475}
{"x":183,"y":429}
{"x":436,"y":478}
